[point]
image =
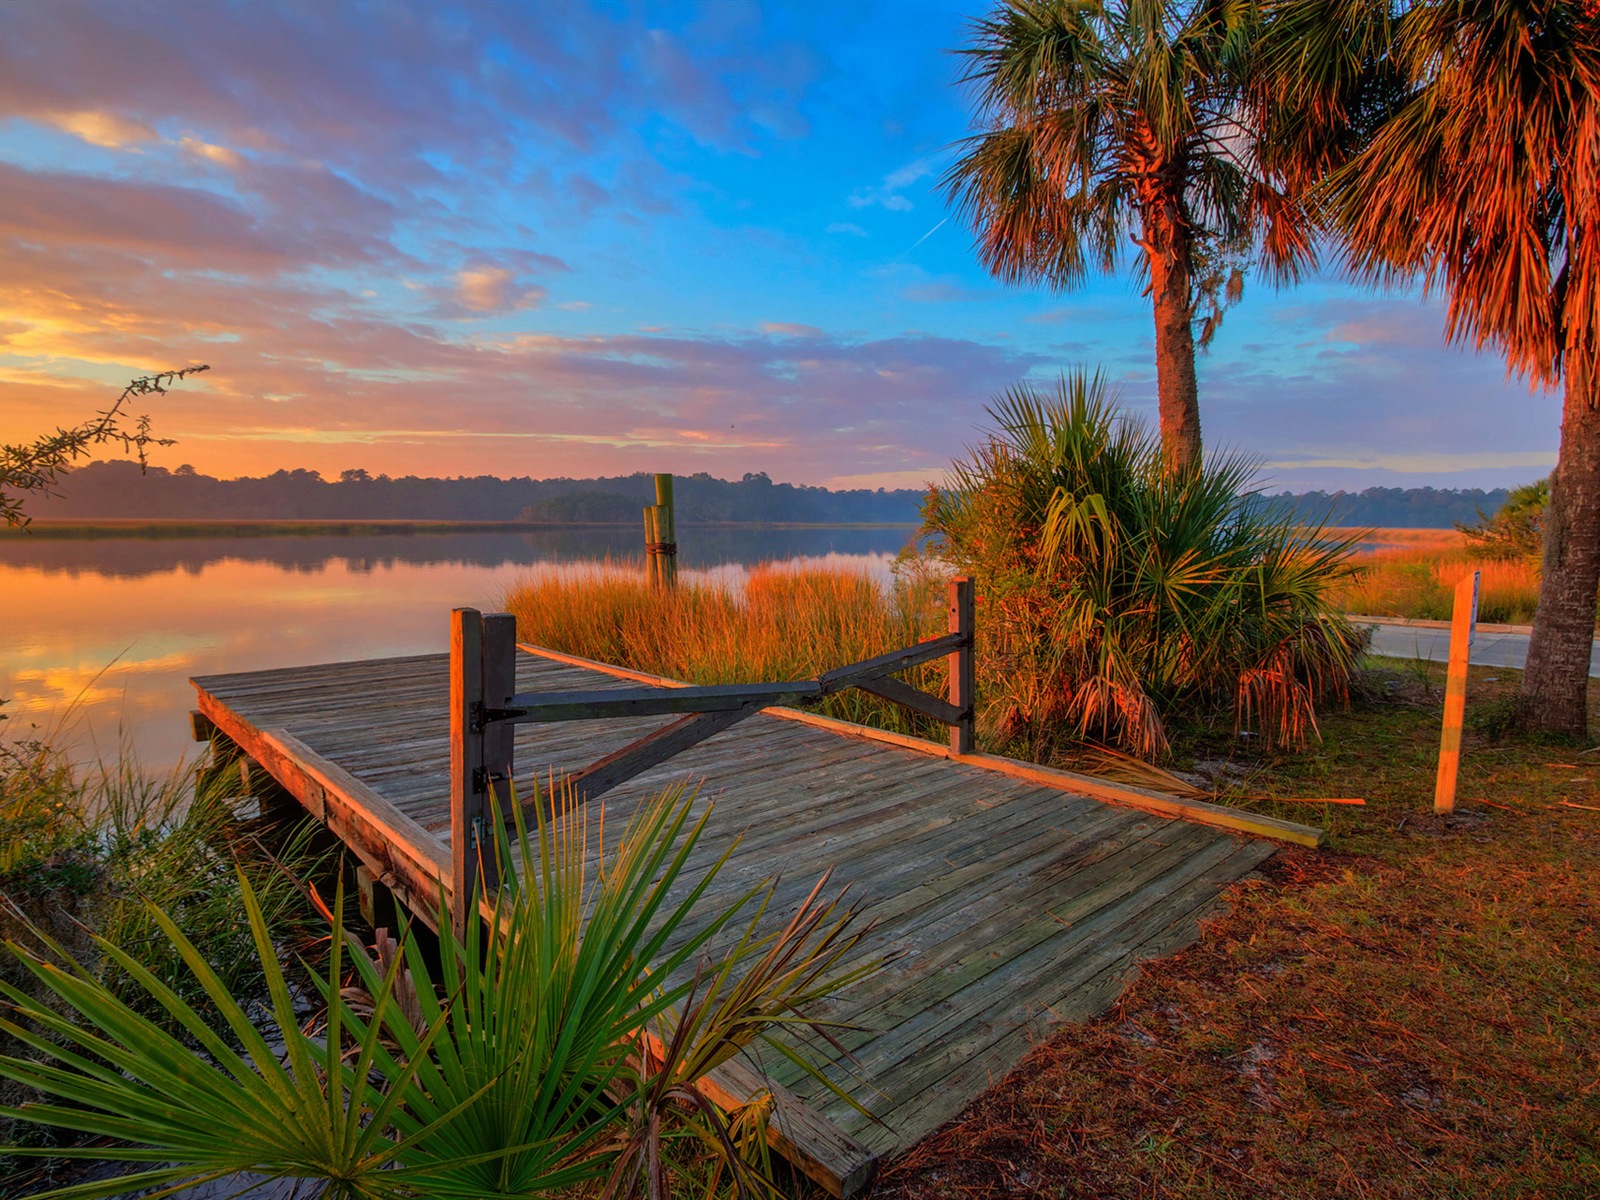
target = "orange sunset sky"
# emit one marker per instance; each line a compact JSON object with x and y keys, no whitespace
{"x":572,"y":239}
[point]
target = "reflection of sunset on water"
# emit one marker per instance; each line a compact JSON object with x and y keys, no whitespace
{"x":102,"y":635}
{"x":123,"y":649}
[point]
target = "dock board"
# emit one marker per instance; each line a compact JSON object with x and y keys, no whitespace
{"x":1001,"y":902}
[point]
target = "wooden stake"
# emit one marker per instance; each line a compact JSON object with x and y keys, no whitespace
{"x":1464,"y":616}
{"x":652,"y":560}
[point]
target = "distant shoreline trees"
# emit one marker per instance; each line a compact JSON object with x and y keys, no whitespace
{"x":117,"y":489}
{"x":32,"y":471}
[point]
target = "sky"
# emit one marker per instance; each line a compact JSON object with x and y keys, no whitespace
{"x":563,"y":239}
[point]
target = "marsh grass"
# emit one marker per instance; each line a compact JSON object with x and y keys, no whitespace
{"x":785,"y":623}
{"x":82,"y":850}
{"x":1416,"y":578}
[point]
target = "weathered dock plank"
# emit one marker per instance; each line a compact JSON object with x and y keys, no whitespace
{"x":1001,"y":898}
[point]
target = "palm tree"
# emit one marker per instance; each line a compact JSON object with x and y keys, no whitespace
{"x":1483,"y":178}
{"x":1115,"y":120}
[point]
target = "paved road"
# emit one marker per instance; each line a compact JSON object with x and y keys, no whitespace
{"x":1489,"y":649}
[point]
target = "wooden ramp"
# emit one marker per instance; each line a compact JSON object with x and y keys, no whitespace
{"x":1005,"y":897}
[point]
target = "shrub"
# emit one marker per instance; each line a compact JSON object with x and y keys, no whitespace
{"x":1517,"y":529}
{"x":557,"y":1050}
{"x":81,"y":854}
{"x":1114,"y":595}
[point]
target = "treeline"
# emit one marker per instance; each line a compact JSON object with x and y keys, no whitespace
{"x":118,"y":489}
{"x":1400,"y":508}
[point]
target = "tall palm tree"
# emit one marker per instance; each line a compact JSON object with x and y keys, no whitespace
{"x":1483,"y":178}
{"x":1109,"y":121}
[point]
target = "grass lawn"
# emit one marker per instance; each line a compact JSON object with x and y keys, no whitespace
{"x":1412,"y":1012}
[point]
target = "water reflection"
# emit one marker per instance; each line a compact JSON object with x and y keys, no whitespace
{"x":707,"y":547}
{"x":100,"y":636}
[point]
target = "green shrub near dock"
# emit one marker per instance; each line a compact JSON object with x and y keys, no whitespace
{"x":85,"y":852}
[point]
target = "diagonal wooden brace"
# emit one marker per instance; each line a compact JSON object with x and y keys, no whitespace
{"x":653,"y":749}
{"x":917,"y":700}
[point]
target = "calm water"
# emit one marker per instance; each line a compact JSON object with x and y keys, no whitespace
{"x":98,"y":637}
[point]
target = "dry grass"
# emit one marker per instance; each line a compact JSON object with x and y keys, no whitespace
{"x":1415,"y":1013}
{"x":785,"y":623}
{"x":1413,"y":573}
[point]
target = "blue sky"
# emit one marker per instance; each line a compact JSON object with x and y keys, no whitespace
{"x":564,"y":239}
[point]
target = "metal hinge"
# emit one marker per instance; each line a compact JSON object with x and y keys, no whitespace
{"x":483,"y":778}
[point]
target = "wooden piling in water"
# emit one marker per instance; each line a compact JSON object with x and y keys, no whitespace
{"x":667,"y":530}
{"x":661,"y":536}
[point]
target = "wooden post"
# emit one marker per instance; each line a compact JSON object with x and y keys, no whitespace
{"x":499,"y":739}
{"x":666,"y":533}
{"x":652,"y":560}
{"x":961,"y":671}
{"x":1462,"y":620}
{"x":377,"y":903}
{"x":468,"y":794}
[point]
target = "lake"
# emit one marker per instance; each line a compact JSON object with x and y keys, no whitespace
{"x":99,"y":636}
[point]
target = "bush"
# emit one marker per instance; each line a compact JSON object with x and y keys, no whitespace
{"x":1114,"y":596}
{"x":554,"y":1051}
{"x":81,"y":854}
{"x":1517,"y":529}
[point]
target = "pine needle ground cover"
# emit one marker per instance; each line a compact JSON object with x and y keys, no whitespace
{"x":1414,"y":1012}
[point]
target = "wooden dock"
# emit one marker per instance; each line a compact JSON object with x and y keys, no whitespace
{"x":1005,"y":897}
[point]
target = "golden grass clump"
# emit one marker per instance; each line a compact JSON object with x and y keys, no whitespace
{"x":1416,"y":578}
{"x":786,"y":622}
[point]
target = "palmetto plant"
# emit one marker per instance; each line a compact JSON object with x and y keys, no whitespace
{"x":1123,"y":120}
{"x":1116,"y":593}
{"x":525,"y":1063}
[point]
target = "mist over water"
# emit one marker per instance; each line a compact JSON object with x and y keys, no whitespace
{"x":99,"y":636}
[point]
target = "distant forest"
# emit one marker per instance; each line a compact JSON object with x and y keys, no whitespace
{"x":117,"y":490}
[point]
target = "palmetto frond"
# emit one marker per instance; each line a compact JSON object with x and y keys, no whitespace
{"x":1094,"y":111}
{"x":1482,"y":175}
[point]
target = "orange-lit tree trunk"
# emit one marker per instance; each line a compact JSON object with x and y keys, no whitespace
{"x":1166,"y":243}
{"x":1555,"y":683}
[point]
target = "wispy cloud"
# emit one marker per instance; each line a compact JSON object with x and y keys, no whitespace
{"x":888,"y":194}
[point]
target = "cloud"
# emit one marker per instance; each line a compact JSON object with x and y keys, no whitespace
{"x":1425,"y":463}
{"x":917,"y":478}
{"x":789,"y":329}
{"x":887,"y":194}
{"x":183,"y":227}
{"x":494,"y":290}
{"x":217,"y":154}
{"x":99,"y":127}
{"x":848,"y":227}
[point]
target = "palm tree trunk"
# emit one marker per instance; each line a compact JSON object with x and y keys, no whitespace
{"x":1172,"y":295}
{"x":1555,"y":683}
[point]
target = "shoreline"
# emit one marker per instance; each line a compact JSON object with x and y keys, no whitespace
{"x":160,"y":528}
